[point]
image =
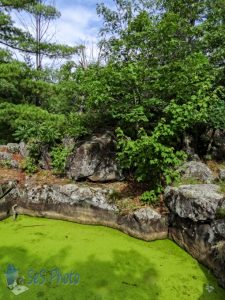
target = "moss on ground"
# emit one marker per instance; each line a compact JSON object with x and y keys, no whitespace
{"x":111,"y":264}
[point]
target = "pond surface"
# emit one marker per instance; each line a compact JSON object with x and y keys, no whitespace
{"x":60,"y":260}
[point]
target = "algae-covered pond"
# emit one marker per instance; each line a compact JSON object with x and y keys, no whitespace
{"x":60,"y":260}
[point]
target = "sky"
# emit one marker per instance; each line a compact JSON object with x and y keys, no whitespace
{"x":78,"y":24}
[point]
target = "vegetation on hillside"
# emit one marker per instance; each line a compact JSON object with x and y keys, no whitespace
{"x":160,"y":77}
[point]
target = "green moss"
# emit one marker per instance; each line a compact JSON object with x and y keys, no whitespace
{"x":186,"y":181}
{"x":221,"y":184}
{"x":220,"y":213}
{"x":112,"y":265}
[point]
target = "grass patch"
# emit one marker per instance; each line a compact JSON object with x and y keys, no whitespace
{"x":187,"y":181}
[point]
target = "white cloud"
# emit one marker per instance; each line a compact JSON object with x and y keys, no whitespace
{"x":77,"y":24}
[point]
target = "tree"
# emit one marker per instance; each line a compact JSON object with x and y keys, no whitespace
{"x":23,"y":40}
{"x":11,"y":36}
{"x":158,"y":82}
{"x":37,"y":21}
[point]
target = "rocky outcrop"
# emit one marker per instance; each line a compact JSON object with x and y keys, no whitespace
{"x":83,"y":204}
{"x":11,"y":154}
{"x":221,"y":173}
{"x":95,"y":160}
{"x":197,"y":170}
{"x":197,"y":224}
{"x":12,"y":148}
{"x":198,"y":202}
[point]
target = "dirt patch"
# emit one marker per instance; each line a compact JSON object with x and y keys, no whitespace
{"x":11,"y":175}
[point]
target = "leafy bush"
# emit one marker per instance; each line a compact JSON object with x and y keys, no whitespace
{"x":153,"y":157}
{"x":150,"y":196}
{"x":217,"y":110}
{"x":33,"y":123}
{"x":29,"y":165}
{"x":5,"y":163}
{"x":59,"y":157}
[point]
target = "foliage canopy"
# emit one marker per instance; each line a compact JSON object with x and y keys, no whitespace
{"x":162,"y":77}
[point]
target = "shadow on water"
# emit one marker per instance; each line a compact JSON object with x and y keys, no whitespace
{"x":211,"y":290}
{"x":120,"y":278}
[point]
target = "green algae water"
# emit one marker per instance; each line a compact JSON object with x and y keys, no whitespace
{"x":105,"y":263}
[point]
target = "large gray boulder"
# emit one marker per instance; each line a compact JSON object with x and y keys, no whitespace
{"x":95,"y":160}
{"x":198,"y":202}
{"x":197,"y":170}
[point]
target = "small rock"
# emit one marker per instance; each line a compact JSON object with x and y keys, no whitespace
{"x":209,"y":288}
{"x":68,"y":142}
{"x":146,"y":214}
{"x":13,"y":147}
{"x":219,"y":227}
{"x":13,"y":164}
{"x":23,"y":149}
{"x":5,"y":156}
{"x":221,"y":174}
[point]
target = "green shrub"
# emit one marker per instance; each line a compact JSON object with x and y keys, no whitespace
{"x":29,"y":165}
{"x":5,"y":163}
{"x":28,"y":122}
{"x":150,"y":197}
{"x":59,"y":157}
